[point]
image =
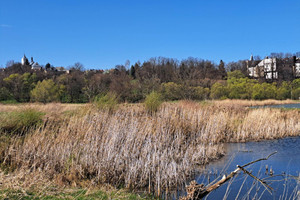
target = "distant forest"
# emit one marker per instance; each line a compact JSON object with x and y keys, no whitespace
{"x":191,"y":78}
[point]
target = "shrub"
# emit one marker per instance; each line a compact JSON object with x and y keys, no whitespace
{"x":282,"y":93}
{"x":19,"y":121}
{"x":45,"y":91}
{"x":107,"y":102}
{"x":296,"y":89}
{"x":5,"y":94}
{"x":172,"y":91}
{"x":264,"y":91}
{"x":218,"y":91}
{"x":236,"y":74}
{"x":200,"y":93}
{"x":153,"y":101}
{"x":296,"y":94}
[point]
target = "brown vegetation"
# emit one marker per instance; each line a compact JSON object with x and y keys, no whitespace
{"x":131,"y":148}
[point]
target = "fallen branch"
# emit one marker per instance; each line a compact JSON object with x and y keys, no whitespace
{"x":268,"y":188}
{"x":198,"y":191}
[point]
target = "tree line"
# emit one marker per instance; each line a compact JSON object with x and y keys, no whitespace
{"x":191,"y":78}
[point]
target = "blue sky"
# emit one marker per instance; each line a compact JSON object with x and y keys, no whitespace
{"x":101,"y":34}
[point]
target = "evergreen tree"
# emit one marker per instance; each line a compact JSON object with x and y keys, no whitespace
{"x":222,"y":70}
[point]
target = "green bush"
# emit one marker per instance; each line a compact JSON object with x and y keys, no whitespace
{"x":200,"y":93}
{"x":296,"y":94}
{"x":153,"y":101}
{"x":107,"y":102}
{"x":284,"y":91}
{"x":5,"y":94}
{"x":20,"y":121}
{"x":218,"y":91}
{"x":45,"y":91}
{"x":172,"y":91}
{"x":264,"y":91}
{"x":296,"y":89}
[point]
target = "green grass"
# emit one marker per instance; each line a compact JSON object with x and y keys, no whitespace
{"x":9,"y":102}
{"x":19,"y":121}
{"x":78,"y":194}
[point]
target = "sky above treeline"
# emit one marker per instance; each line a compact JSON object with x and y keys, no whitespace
{"x":102,"y":34}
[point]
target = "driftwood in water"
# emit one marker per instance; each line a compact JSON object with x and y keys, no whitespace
{"x":198,"y":191}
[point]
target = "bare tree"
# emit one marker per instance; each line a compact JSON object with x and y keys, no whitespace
{"x":10,"y":63}
{"x":77,"y":67}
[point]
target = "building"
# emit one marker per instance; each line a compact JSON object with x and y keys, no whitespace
{"x":274,"y":68}
{"x":34,"y":65}
{"x":62,"y":69}
{"x":47,"y":69}
{"x":24,"y":60}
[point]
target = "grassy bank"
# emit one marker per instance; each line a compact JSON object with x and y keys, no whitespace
{"x":132,"y":148}
{"x":70,"y":194}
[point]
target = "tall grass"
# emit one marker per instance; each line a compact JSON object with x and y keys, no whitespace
{"x":134,"y":149}
{"x":19,"y":121}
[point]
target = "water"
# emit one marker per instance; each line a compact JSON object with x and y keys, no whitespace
{"x":294,"y":105}
{"x":285,"y":164}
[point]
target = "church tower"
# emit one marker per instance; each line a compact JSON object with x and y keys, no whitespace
{"x":251,"y":58}
{"x":24,"y":60}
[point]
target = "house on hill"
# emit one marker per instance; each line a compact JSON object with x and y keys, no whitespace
{"x":48,"y":68}
{"x":34,"y":65}
{"x":62,"y":69}
{"x":274,"y":68}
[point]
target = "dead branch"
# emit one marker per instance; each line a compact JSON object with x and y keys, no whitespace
{"x":266,"y":158}
{"x":198,"y":191}
{"x":268,"y":188}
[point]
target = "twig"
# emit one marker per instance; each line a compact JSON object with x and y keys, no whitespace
{"x":250,"y":163}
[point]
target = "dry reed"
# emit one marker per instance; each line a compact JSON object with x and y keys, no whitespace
{"x":131,"y":148}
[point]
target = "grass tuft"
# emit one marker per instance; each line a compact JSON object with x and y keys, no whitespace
{"x":106,"y":102}
{"x":153,"y":102}
{"x":19,"y":121}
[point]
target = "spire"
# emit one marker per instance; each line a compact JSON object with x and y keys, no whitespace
{"x":251,"y":57}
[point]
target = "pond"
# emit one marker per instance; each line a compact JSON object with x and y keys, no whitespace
{"x":291,"y":106}
{"x":285,"y":165}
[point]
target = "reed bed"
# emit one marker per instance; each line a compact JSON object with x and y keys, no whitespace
{"x":49,"y":108}
{"x":131,"y":148}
